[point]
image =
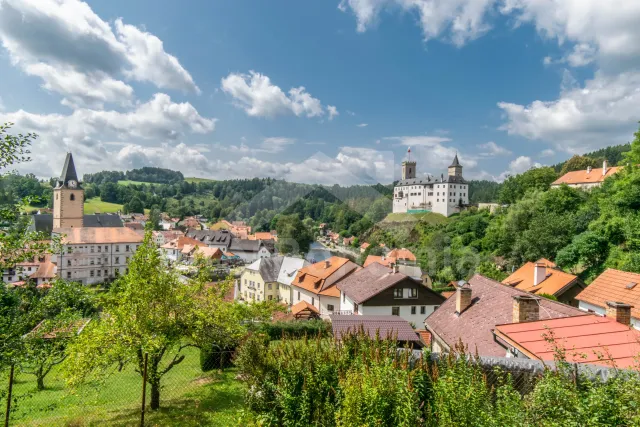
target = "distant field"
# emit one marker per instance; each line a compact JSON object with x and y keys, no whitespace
{"x":127,"y":182}
{"x":196,"y":180}
{"x":95,"y":205}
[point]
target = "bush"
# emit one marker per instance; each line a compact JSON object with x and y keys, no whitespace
{"x":296,"y":329}
{"x":214,"y":357}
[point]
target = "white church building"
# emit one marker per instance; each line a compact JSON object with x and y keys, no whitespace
{"x":446,"y":195}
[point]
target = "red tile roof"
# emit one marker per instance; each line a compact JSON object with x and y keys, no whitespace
{"x":92,"y":235}
{"x":314,"y":277}
{"x":586,"y":177}
{"x":492,"y":304}
{"x":383,"y":326}
{"x":614,"y":285}
{"x":556,"y":282}
{"x":585,"y":339}
{"x":303,"y":305}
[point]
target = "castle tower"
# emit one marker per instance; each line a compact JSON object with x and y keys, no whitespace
{"x":408,"y":167}
{"x":456,"y":168}
{"x":68,"y":198}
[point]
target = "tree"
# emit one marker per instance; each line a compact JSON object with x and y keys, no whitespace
{"x":489,"y":269}
{"x":109,"y":192}
{"x":135,"y":205}
{"x":515,"y":187}
{"x":293,"y":236}
{"x":578,"y":163}
{"x":153,"y":223}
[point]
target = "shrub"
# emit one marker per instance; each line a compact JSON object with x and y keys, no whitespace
{"x":214,"y":357}
{"x":296,"y":329}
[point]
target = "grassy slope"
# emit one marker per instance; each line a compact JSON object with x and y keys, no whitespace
{"x":189,"y":398}
{"x":127,"y":182}
{"x":94,"y":205}
{"x":424,"y":217}
{"x":192,"y":179}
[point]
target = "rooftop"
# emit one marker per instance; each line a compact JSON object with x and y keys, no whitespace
{"x":586,"y":176}
{"x":92,"y":235}
{"x":614,"y":285}
{"x":554,"y":282}
{"x":585,"y":339}
{"x":369,"y":281}
{"x":491,"y":305}
{"x":382,"y":326}
{"x":321,"y":276}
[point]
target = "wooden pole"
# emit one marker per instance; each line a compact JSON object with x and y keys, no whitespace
{"x":6,"y":416}
{"x":144,"y":388}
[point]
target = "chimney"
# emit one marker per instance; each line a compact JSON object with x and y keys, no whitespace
{"x":525,"y":308}
{"x":463,"y":298}
{"x":539,"y":273}
{"x":327,"y":263}
{"x":620,"y":312}
{"x":604,"y":167}
{"x":395,"y":268}
{"x":588,"y":169}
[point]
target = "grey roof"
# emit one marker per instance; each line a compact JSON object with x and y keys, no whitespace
{"x":289,"y":269}
{"x":384,"y":326}
{"x":44,"y":223}
{"x":369,"y":281}
{"x":455,"y":161}
{"x":450,"y":179}
{"x":68,"y":171}
{"x":269,"y":268}
{"x":413,"y":271}
{"x":491,"y":305}
{"x":211,"y":237}
{"x":245,"y":245}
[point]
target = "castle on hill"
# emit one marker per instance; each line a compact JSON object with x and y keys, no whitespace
{"x":446,"y":196}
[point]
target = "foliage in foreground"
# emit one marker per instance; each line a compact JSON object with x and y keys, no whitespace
{"x":368,"y":382}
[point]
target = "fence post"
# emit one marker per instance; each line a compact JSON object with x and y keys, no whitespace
{"x":144,"y":388}
{"x":6,"y":416}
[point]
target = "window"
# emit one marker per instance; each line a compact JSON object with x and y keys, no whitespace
{"x":92,"y":249}
{"x":117,"y":260}
{"x":435,"y":307}
{"x":395,"y":311}
{"x":99,"y":272}
{"x":397,"y":293}
{"x":72,"y":197}
{"x":92,"y":273}
{"x":423,"y":310}
{"x":313,"y":301}
{"x":413,"y":309}
{"x":270,"y":287}
{"x":330,"y":307}
{"x":99,"y":248}
{"x":270,"y":297}
{"x":344,"y":297}
{"x":413,"y":293}
{"x":355,"y":308}
{"x":68,"y":263}
{"x":126,"y":248}
{"x":106,"y":272}
{"x":69,"y":249}
{"x":298,"y":295}
{"x":68,"y":275}
{"x":92,"y":262}
{"x":117,"y":248}
{"x":106,"y":248}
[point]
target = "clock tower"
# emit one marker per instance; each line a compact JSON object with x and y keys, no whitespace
{"x":68,"y":198}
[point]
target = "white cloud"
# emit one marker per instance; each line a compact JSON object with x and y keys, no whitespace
{"x":458,"y":20}
{"x":78,"y":55}
{"x":89,"y":133}
{"x":333,"y":111}
{"x":255,"y":94}
{"x":492,"y":149}
{"x":1,"y":104}
{"x":149,"y":61}
{"x":517,"y":166}
{"x":362,"y":125}
{"x":269,"y":145}
{"x":547,"y":153}
{"x":603,"y":112}
{"x":351,"y":113}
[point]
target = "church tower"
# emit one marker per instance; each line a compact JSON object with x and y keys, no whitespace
{"x":456,"y":168}
{"x":68,"y":198}
{"x":408,"y":167}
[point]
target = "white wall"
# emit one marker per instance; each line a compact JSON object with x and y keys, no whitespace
{"x":325,"y":301}
{"x":585,"y":306}
{"x":345,"y":303}
{"x":405,"y":312}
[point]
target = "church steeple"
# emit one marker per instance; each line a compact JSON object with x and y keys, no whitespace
{"x":68,"y":198}
{"x":69,"y":177}
{"x":455,"y":161}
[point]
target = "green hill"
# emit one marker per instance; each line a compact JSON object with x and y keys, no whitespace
{"x":95,"y":205}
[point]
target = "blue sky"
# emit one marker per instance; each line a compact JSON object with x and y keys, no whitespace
{"x":328,"y":92}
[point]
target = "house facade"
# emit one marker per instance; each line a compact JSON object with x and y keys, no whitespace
{"x":445,"y":196}
{"x":220,"y":239}
{"x":588,"y":178}
{"x":269,"y":279}
{"x":250,"y":250}
{"x":95,"y":255}
{"x":379,"y":290}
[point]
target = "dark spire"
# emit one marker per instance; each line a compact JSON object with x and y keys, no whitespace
{"x":455,"y":161}
{"x":69,"y":171}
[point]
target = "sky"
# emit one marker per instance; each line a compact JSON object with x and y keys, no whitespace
{"x":330,"y":92}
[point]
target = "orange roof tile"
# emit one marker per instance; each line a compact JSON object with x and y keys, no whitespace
{"x":403,"y":253}
{"x":555,"y":282}
{"x":365,"y":245}
{"x":181,"y":242}
{"x":614,"y":285}
{"x":585,"y":339}
{"x":379,"y":259}
{"x":89,"y":235}
{"x":302,"y":305}
{"x":586,"y":177}
{"x":313,"y":277}
{"x":46,"y":269}
{"x":447,"y":294}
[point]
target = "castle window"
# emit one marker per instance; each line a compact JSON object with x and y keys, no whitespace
{"x":56,"y":196}
{"x":72,"y":197}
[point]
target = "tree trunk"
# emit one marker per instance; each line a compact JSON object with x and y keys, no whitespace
{"x":40,"y":379}
{"x":155,"y":395}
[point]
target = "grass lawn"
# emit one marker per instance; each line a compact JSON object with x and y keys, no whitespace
{"x":95,"y":205}
{"x":196,"y":180}
{"x":428,"y":217}
{"x":189,"y":398}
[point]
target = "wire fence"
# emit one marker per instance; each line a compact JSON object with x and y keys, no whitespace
{"x":184,"y":395}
